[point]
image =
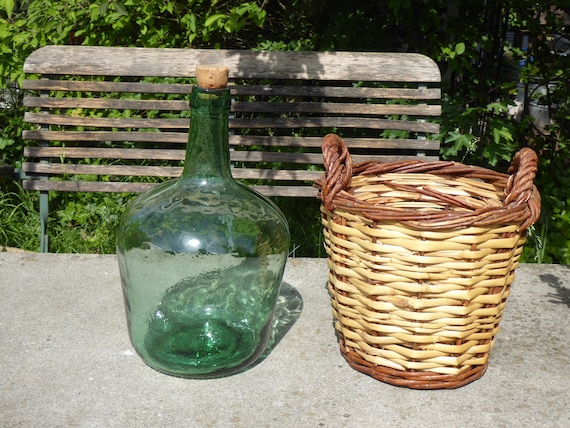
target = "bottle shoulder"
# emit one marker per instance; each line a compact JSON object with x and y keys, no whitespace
{"x":184,"y":216}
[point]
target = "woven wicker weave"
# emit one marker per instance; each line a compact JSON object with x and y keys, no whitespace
{"x":421,"y":258}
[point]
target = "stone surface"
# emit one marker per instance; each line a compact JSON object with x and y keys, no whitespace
{"x":66,"y":360}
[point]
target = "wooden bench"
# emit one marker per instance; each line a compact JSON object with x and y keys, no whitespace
{"x":113,"y":119}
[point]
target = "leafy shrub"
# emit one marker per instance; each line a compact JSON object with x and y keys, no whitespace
{"x":170,"y":23}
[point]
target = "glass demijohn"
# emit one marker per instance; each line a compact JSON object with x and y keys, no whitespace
{"x":202,"y":256}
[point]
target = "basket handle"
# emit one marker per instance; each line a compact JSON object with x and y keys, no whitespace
{"x":520,"y":188}
{"x":338,"y":168}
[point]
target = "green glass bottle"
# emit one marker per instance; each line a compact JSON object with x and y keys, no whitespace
{"x":202,"y":257}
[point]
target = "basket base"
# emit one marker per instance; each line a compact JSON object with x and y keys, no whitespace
{"x":413,"y":380}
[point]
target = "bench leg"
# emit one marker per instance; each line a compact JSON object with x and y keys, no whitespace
{"x":44,"y":211}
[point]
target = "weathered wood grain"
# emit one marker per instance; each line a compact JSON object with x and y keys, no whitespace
{"x":240,"y":106}
{"x":130,"y":187}
{"x":104,"y":113}
{"x":124,"y":61}
{"x":293,"y":122}
{"x":64,"y":154}
{"x":234,"y":140}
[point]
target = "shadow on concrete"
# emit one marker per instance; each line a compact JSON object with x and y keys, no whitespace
{"x":287,"y":311}
{"x":562,"y":290}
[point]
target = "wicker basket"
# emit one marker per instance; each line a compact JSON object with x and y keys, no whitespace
{"x":421,"y":258}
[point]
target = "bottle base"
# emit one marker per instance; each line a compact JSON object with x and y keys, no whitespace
{"x":212,"y":348}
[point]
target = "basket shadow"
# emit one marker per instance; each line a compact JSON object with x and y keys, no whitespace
{"x":562,"y":293}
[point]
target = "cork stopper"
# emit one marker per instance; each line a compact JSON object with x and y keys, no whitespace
{"x":212,"y":76}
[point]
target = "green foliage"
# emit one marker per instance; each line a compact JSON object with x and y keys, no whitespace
{"x":79,"y":223}
{"x":304,"y":218}
{"x":19,"y":220}
{"x":86,"y":223}
{"x":11,"y":127}
{"x":493,"y":85}
{"x":549,"y":242}
{"x":170,"y":23}
{"x":8,"y":7}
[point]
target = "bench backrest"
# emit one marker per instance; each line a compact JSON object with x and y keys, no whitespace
{"x":113,"y":119}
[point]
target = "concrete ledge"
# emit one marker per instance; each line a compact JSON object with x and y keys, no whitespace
{"x":66,"y":360}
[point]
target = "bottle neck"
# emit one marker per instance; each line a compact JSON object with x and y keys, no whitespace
{"x":207,"y":152}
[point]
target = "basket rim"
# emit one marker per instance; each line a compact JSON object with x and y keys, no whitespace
{"x":520,"y":197}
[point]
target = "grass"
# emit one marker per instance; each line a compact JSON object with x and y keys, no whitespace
{"x":19,"y":218}
{"x":304,"y":219}
{"x":78,"y":223}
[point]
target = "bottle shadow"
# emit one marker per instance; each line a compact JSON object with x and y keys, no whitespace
{"x":287,"y":311}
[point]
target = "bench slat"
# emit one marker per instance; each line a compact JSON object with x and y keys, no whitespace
{"x":106,"y":103}
{"x":337,"y":92}
{"x":235,"y":140}
{"x":106,"y":153}
{"x":238,"y":123}
{"x":341,"y":108}
{"x":120,"y":187}
{"x":116,"y":136}
{"x":236,"y":90}
{"x":335,"y":122}
{"x":160,"y":62}
{"x":119,"y":170}
{"x":105,"y":122}
{"x":162,"y":171}
{"x":178,"y":155}
{"x":315,"y":142}
{"x":106,"y":86}
{"x":241,"y":107}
